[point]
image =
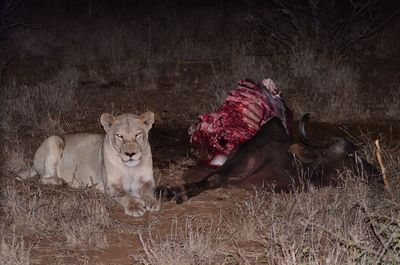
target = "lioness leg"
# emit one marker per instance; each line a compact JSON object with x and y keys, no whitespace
{"x":145,"y":201}
{"x":147,"y":193}
{"x":47,"y":158}
{"x":133,"y":206}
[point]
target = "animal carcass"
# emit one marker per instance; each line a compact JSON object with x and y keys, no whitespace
{"x":271,"y":160}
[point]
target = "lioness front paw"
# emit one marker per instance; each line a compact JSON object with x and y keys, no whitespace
{"x":133,"y":206}
{"x":152,"y":204}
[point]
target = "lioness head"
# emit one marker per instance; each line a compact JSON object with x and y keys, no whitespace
{"x":128,"y":134}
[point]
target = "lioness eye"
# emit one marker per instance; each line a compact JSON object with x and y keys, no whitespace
{"x":119,"y":136}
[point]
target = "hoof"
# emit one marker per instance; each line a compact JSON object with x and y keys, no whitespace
{"x":170,"y":193}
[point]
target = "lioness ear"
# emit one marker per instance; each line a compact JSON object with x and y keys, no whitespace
{"x":107,"y":120}
{"x":148,"y":118}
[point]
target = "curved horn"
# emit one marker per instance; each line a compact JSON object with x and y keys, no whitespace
{"x":304,"y":137}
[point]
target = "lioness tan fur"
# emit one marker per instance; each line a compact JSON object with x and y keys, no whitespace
{"x":118,"y":162}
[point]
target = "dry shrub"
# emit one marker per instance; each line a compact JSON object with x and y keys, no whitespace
{"x":190,"y":242}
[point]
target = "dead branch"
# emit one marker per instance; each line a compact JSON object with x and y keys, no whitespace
{"x":381,"y":165}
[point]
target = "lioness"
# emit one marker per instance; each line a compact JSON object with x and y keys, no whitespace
{"x":119,"y":162}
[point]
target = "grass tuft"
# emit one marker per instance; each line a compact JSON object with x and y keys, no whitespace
{"x":14,"y":252}
{"x":81,"y":215}
{"x":192,"y":242}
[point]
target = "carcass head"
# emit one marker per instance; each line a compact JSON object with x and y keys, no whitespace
{"x":324,"y":158}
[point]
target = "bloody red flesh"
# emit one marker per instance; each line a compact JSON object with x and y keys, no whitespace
{"x":243,"y":112}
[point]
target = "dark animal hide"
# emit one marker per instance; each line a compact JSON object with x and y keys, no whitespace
{"x":271,"y":160}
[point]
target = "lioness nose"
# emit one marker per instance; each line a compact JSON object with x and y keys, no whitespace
{"x":130,"y":154}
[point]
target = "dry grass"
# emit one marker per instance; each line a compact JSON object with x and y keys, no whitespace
{"x":189,"y":242}
{"x":323,"y":84}
{"x":367,"y":150}
{"x":17,"y":103}
{"x":24,"y":105}
{"x":350,"y":224}
{"x":353,"y":223}
{"x":173,"y":172}
{"x":312,"y":227}
{"x":138,"y":55}
{"x":343,"y":225}
{"x":342,"y":105}
{"x":320,"y":71}
{"x":59,"y":95}
{"x":14,"y":251}
{"x":392,"y":103}
{"x":79,"y":216}
{"x":311,"y":81}
{"x":87,"y":232}
{"x":14,"y":156}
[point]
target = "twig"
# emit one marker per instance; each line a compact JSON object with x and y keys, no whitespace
{"x":381,"y":165}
